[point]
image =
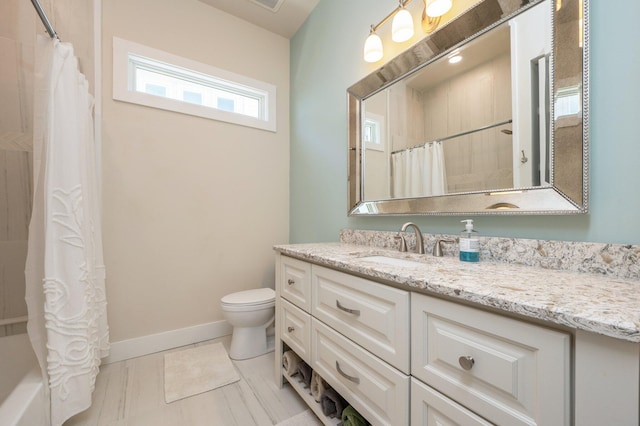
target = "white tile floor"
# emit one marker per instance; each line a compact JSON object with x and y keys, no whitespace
{"x":132,"y":393}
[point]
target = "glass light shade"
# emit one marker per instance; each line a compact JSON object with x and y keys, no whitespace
{"x":373,"y":48}
{"x":437,"y":8}
{"x":402,"y":26}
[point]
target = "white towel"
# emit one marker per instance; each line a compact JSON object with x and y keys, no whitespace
{"x":318,"y":386}
{"x":290,"y":361}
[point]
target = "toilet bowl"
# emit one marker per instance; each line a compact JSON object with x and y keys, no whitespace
{"x":250,"y":313}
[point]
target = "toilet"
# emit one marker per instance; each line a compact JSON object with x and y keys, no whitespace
{"x":251,"y":314}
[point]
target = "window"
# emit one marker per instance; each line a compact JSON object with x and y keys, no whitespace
{"x":372,"y":132}
{"x":154,"y":89}
{"x":226,"y":104}
{"x":154,"y":78}
{"x":194,"y":98}
{"x":568,"y":101}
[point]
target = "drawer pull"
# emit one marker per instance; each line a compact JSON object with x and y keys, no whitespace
{"x":355,"y":312}
{"x":290,"y":329}
{"x":353,"y":379}
{"x":466,"y":362}
{"x":290,"y":281}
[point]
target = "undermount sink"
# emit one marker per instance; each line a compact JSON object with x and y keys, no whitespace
{"x":391,"y":261}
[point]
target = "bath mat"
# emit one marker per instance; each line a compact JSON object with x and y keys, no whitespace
{"x":196,"y":370}
{"x":306,"y":418}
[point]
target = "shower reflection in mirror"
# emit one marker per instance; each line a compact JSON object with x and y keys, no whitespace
{"x":452,"y":127}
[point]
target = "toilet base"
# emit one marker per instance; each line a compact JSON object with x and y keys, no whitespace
{"x":250,"y":342}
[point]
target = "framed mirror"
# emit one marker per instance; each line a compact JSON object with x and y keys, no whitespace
{"x":504,"y":130}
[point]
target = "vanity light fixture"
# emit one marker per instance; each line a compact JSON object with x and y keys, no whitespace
{"x":435,"y":8}
{"x":373,"y":47}
{"x":402,"y":25}
{"x":402,"y":30}
{"x":433,"y":11}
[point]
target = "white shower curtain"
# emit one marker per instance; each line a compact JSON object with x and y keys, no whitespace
{"x":65,"y":273}
{"x":419,"y":172}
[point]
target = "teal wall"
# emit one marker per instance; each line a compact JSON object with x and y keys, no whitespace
{"x":326,"y":58}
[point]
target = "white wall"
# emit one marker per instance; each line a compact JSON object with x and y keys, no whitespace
{"x":192,"y":207}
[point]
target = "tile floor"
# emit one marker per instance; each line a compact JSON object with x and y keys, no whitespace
{"x":131,"y":393}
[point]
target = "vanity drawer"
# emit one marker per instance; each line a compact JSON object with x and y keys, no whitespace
{"x":295,"y":282}
{"x":507,"y":371}
{"x":375,"y":389}
{"x":375,"y":316}
{"x":430,"y":408}
{"x":295,"y":329}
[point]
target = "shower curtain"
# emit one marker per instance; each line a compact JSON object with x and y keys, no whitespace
{"x":419,"y":172}
{"x":65,"y":273}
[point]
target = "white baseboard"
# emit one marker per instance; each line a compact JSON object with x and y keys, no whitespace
{"x":145,"y":345}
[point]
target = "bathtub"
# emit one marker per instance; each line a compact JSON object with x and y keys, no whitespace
{"x":21,"y":387}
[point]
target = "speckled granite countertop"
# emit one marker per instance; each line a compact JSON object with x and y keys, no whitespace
{"x":599,"y":304}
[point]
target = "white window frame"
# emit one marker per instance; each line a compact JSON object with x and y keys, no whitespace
{"x":376,"y":123}
{"x":568,"y":101}
{"x":126,"y":54}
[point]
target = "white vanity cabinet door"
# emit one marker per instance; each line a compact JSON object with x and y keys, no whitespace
{"x":507,"y":371}
{"x":374,"y":388}
{"x":375,"y":316}
{"x":295,"y":282}
{"x":295,"y":330}
{"x":430,"y":408}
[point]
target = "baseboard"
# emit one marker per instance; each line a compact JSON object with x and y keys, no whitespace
{"x":145,"y":345}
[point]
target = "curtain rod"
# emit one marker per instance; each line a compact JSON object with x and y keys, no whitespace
{"x":45,"y":19}
{"x":490,"y":126}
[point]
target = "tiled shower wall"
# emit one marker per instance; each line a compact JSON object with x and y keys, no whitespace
{"x":17,"y":38}
{"x":19,"y":25}
{"x":15,"y":205}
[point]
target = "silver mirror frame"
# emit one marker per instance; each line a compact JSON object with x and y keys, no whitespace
{"x":569,"y":190}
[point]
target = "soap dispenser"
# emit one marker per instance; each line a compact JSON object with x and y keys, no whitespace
{"x":469,"y":243}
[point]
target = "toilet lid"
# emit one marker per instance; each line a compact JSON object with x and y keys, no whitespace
{"x":250,"y":297}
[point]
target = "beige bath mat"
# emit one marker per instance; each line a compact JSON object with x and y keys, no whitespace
{"x":196,"y":370}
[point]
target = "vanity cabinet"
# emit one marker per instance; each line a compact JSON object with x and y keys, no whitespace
{"x":431,"y":408}
{"x":403,"y":357}
{"x":359,"y":337}
{"x":373,"y":315}
{"x":295,"y":329}
{"x":508,"y":371}
{"x":294,"y":283}
{"x":377,"y":390}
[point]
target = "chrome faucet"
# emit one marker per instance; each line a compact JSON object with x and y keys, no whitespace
{"x":419,"y":241}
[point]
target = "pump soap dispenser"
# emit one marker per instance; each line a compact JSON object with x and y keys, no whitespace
{"x":469,"y":243}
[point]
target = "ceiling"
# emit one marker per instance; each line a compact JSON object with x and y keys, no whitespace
{"x":288,"y":18}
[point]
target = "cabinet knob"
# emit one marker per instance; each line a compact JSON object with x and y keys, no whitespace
{"x":290,"y":281}
{"x":290,"y":329}
{"x":466,"y":362}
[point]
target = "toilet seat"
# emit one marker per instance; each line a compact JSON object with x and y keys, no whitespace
{"x":256,"y":298}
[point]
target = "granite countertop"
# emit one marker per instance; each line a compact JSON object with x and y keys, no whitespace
{"x":594,"y":303}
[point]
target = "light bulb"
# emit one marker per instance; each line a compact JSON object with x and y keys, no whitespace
{"x":402,"y":26}
{"x":373,"y":48}
{"x":437,"y":8}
